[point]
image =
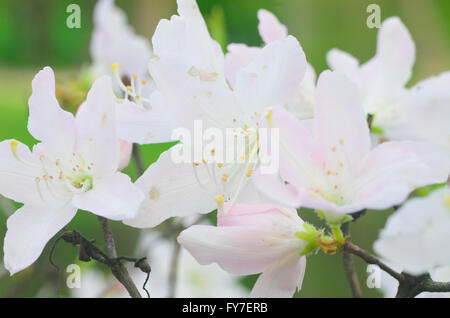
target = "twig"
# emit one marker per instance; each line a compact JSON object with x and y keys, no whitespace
{"x":409,"y":285}
{"x":173,"y":269}
{"x":109,"y":237}
{"x":349,"y":267}
{"x":115,"y":264}
{"x":138,"y":159}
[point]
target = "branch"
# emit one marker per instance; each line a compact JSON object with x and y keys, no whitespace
{"x":88,"y":251}
{"x":173,"y":269}
{"x":349,"y":267}
{"x":409,"y":285}
{"x":138,"y":159}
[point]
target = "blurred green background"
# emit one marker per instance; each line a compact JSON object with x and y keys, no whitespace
{"x":33,"y":34}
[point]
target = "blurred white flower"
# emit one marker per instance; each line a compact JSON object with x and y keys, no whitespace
{"x":419,"y":113}
{"x":416,"y":236}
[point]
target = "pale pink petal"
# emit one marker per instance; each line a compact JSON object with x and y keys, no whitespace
{"x":269,"y":27}
{"x":96,"y":129}
{"x":282,"y":278}
{"x":114,"y":197}
{"x":394,"y":169}
{"x":240,"y":250}
{"x":344,"y":63}
{"x":29,"y":230}
{"x":340,"y":123}
{"x":47,"y":122}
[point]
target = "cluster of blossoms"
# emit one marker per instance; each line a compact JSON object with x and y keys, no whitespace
{"x":330,"y":159}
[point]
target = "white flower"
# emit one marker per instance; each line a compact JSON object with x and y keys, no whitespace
{"x":416,"y":236}
{"x":189,"y":72}
{"x":73,"y":167}
{"x":334,"y":169}
{"x":419,"y":113}
{"x":240,"y":55}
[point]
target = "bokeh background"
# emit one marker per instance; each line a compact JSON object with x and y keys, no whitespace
{"x":33,"y":34}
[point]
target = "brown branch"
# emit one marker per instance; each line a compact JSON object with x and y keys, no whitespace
{"x":409,"y":285}
{"x":349,"y":267}
{"x":138,"y":159}
{"x":88,"y":251}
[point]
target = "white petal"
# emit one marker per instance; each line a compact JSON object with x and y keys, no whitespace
{"x":273,"y":77}
{"x":416,"y":234}
{"x":281,"y":279}
{"x":238,"y":57}
{"x":143,"y":125}
{"x":114,"y":197}
{"x":269,"y":27}
{"x":17,"y":179}
{"x":126,"y":149}
{"x":173,"y":189}
{"x":47,"y":122}
{"x":96,"y":129}
{"x":186,"y":37}
{"x":344,"y":63}
{"x":29,"y":230}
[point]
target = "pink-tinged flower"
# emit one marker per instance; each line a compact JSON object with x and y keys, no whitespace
{"x":253,"y":239}
{"x":73,"y":167}
{"x":419,"y":113}
{"x":188,"y":69}
{"x":240,"y":55}
{"x":333,"y":168}
{"x":415,"y":238}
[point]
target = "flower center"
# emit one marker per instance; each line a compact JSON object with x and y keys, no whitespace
{"x":73,"y":175}
{"x":132,"y":91}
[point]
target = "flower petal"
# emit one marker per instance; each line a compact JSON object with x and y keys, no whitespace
{"x":281,"y":279}
{"x":273,"y":77}
{"x":96,"y":129}
{"x":240,"y":250}
{"x":29,"y":230}
{"x":340,"y":124}
{"x":143,"y":125}
{"x":47,"y":122}
{"x":114,"y":197}
{"x":238,"y":57}
{"x":269,"y":27}
{"x":394,"y":169}
{"x":172,"y":189}
{"x":186,"y":37}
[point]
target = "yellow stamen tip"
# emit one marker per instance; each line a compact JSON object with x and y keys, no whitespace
{"x":220,"y":165}
{"x":115,"y":66}
{"x":134,"y":76}
{"x":249,"y":173}
{"x":143,"y":82}
{"x":225,"y":177}
{"x":220,"y":198}
{"x":129,"y":88}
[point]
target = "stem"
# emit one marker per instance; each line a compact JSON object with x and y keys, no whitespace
{"x":173,"y":269}
{"x":119,"y":270}
{"x":369,"y":258}
{"x":349,"y":267}
{"x":138,"y":159}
